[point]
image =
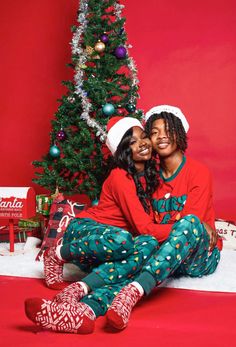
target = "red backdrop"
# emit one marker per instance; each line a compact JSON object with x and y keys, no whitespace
{"x":185,"y":53}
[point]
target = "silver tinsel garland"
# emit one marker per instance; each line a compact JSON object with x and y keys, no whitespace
{"x":77,"y":50}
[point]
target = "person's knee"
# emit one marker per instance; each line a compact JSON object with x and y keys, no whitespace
{"x":146,"y":239}
{"x":190,"y":226}
{"x":121,"y":240}
{"x":190,"y":218}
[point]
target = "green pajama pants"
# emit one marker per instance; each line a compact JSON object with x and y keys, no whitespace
{"x":185,"y":252}
{"x":91,"y":245}
{"x":111,"y":256}
{"x":87,"y":243}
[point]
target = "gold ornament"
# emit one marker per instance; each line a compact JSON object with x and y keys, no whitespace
{"x":100,"y":46}
{"x":89,"y":50}
{"x":54,"y":196}
{"x":82,"y":66}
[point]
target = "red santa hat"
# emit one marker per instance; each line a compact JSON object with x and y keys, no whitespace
{"x":116,"y":128}
{"x":170,"y":109}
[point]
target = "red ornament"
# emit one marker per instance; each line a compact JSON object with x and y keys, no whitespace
{"x":120,"y":111}
{"x":61,"y":135}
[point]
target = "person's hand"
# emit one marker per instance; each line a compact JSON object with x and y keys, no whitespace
{"x":212,"y":234}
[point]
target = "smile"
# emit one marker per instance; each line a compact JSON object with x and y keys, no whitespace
{"x":163,"y":145}
{"x":145,"y":151}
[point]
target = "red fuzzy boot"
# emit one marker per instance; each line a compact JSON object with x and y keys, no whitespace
{"x":62,"y":317}
{"x":119,"y":312}
{"x":71,"y":294}
{"x":53,"y":269}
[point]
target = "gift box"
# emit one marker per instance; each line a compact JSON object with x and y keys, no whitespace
{"x":43,"y":204}
{"x":34,"y":222}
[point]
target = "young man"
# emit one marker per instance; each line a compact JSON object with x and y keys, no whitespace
{"x":183,"y":200}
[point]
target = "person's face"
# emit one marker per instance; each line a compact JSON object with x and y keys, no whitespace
{"x":160,"y":139}
{"x":141,"y":146}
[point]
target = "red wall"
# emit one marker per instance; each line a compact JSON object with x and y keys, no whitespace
{"x":185,"y":53}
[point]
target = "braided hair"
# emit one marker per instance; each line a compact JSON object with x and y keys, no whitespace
{"x":173,"y":127}
{"x":123,"y":158}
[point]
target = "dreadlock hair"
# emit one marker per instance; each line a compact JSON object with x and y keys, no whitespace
{"x":123,"y":158}
{"x":173,"y":127}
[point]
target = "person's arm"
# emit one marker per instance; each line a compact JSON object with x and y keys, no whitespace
{"x":200,"y":203}
{"x":199,"y":195}
{"x":212,"y":235}
{"x":124,"y":192}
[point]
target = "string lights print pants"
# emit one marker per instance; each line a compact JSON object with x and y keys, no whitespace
{"x":111,"y":256}
{"x":185,"y":252}
{"x":88,"y":244}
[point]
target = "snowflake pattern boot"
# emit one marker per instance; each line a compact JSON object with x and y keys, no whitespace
{"x":71,"y":294}
{"x":119,"y":312}
{"x":53,"y":269}
{"x":79,"y":319}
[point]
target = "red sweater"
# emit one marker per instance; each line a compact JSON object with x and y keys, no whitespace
{"x":188,"y":191}
{"x":120,"y":206}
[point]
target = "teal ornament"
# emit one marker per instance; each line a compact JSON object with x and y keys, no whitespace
{"x":54,"y":151}
{"x":108,"y":109}
{"x":130,"y":108}
{"x":95,"y":202}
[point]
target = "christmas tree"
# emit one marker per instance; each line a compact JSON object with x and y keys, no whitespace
{"x":105,"y":85}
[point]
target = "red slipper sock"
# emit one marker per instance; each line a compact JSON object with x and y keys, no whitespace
{"x":62,"y":317}
{"x":119,"y":312}
{"x":53,"y":269}
{"x":72,"y":293}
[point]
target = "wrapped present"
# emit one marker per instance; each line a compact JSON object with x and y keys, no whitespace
{"x":34,"y":222}
{"x":43,"y":204}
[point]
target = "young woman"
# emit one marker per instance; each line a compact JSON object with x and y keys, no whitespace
{"x":98,"y":240}
{"x":183,"y":200}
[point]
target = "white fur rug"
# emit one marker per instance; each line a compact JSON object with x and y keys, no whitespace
{"x":22,"y":264}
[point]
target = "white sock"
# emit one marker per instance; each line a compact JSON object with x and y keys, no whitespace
{"x":84,"y":286}
{"x":139,"y":287}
